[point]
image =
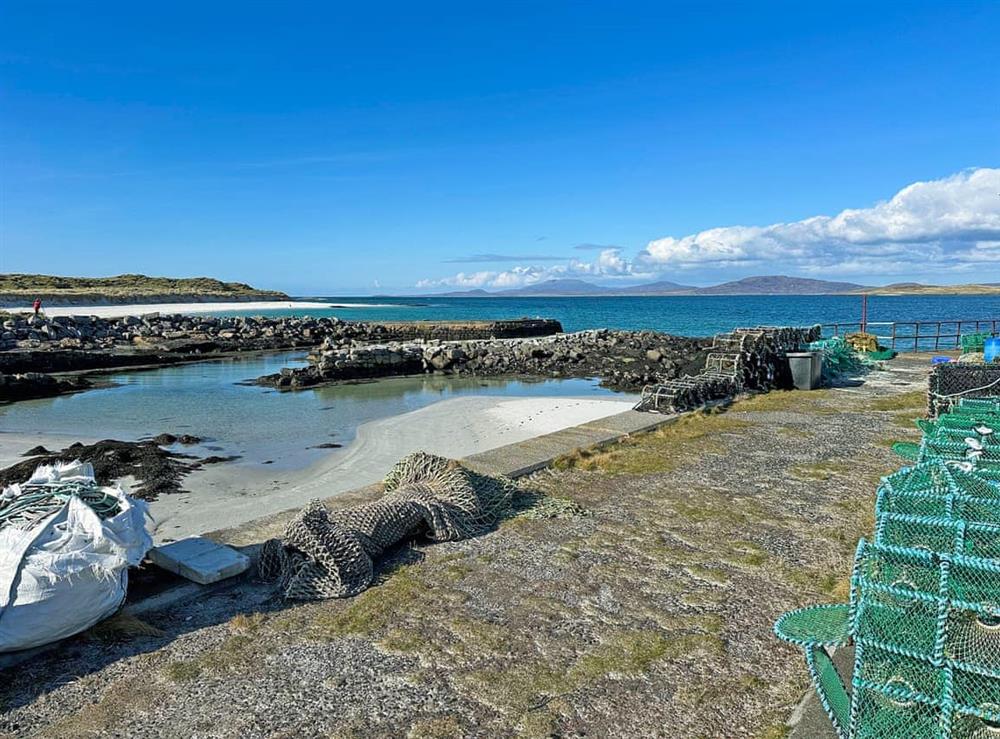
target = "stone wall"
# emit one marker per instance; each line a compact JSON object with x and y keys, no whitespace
{"x":622,"y":359}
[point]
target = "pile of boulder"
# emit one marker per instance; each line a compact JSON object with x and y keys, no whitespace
{"x":624,"y":360}
{"x":176,"y":332}
{"x":163,"y":332}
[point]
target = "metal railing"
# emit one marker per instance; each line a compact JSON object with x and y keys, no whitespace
{"x":912,"y":336}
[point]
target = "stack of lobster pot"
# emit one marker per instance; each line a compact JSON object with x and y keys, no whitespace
{"x":743,"y":359}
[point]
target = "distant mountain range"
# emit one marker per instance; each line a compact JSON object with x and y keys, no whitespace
{"x":763,"y":285}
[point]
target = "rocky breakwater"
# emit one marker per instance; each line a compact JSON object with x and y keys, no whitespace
{"x":624,"y":360}
{"x":196,"y":334}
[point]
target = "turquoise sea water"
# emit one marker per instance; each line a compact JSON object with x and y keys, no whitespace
{"x":206,"y":400}
{"x":685,"y":315}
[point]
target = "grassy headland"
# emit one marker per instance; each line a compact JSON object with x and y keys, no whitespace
{"x":918,"y":289}
{"x":22,"y":289}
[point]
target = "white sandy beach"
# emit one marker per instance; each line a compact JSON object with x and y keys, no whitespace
{"x":225,"y":495}
{"x":138,"y":309}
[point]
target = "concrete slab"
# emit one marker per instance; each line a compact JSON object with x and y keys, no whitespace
{"x":630,"y":422}
{"x":525,"y":457}
{"x":199,"y":559}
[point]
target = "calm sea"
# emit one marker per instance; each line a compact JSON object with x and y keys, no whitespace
{"x":685,"y":315}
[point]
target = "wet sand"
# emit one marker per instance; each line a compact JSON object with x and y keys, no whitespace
{"x":225,"y":495}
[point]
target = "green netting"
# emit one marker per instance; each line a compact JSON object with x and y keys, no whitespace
{"x":827,"y":625}
{"x":974,"y":342}
{"x":907,"y":450}
{"x":881,"y":355}
{"x":839,"y":358}
{"x":830,"y":687}
{"x":924,"y":614}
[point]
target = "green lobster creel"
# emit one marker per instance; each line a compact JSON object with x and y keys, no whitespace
{"x":924,"y":615}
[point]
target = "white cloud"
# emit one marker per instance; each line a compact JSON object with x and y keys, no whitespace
{"x":938,"y":222}
{"x":928,"y":229}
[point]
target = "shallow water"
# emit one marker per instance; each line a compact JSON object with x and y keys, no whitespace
{"x":258,"y":423}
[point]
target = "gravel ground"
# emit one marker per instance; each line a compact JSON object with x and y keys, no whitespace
{"x":635,"y":598}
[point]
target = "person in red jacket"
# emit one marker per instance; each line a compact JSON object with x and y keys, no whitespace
{"x":37,"y":305}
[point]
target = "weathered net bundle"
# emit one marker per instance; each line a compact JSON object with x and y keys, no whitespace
{"x":743,"y":359}
{"x":332,"y":554}
{"x":924,"y":612}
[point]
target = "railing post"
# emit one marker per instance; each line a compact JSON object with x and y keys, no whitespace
{"x":893,"y":344}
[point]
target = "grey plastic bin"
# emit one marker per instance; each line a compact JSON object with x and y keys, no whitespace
{"x":806,"y":369}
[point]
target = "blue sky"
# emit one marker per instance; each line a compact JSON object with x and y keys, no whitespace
{"x":327,"y":148}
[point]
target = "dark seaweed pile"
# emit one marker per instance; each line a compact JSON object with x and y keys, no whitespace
{"x":156,"y":470}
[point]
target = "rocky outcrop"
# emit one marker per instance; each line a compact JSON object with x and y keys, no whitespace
{"x":197,"y":334}
{"x":621,"y":359}
{"x":28,"y":385}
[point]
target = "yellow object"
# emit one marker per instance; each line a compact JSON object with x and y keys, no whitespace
{"x":862,"y":342}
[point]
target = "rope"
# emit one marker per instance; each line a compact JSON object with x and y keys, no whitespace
{"x":966,"y":392}
{"x":21,"y":506}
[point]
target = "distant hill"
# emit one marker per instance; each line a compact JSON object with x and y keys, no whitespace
{"x":548,"y":288}
{"x":17,"y":290}
{"x":768,"y":285}
{"x":558,"y":287}
{"x":762,"y":285}
{"x":780,"y":285}
{"x":575,"y":288}
{"x":662,"y":287}
{"x":914,"y":288}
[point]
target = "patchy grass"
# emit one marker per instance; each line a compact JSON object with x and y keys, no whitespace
{"x":788,"y":400}
{"x":777,"y":731}
{"x":711,"y":575}
{"x":530,"y":685}
{"x":915,"y":401}
{"x":441,"y":727}
{"x":630,"y":653}
{"x":98,"y":717}
{"x":818,"y":471}
{"x":243,"y":623}
{"x":374,"y":609}
{"x":662,"y":450}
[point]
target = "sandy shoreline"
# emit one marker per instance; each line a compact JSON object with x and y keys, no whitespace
{"x":138,"y":309}
{"x":226,"y":495}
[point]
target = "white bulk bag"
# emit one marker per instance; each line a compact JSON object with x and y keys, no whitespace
{"x":69,"y":570}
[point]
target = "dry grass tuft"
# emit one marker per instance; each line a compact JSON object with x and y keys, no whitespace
{"x":122,"y":627}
